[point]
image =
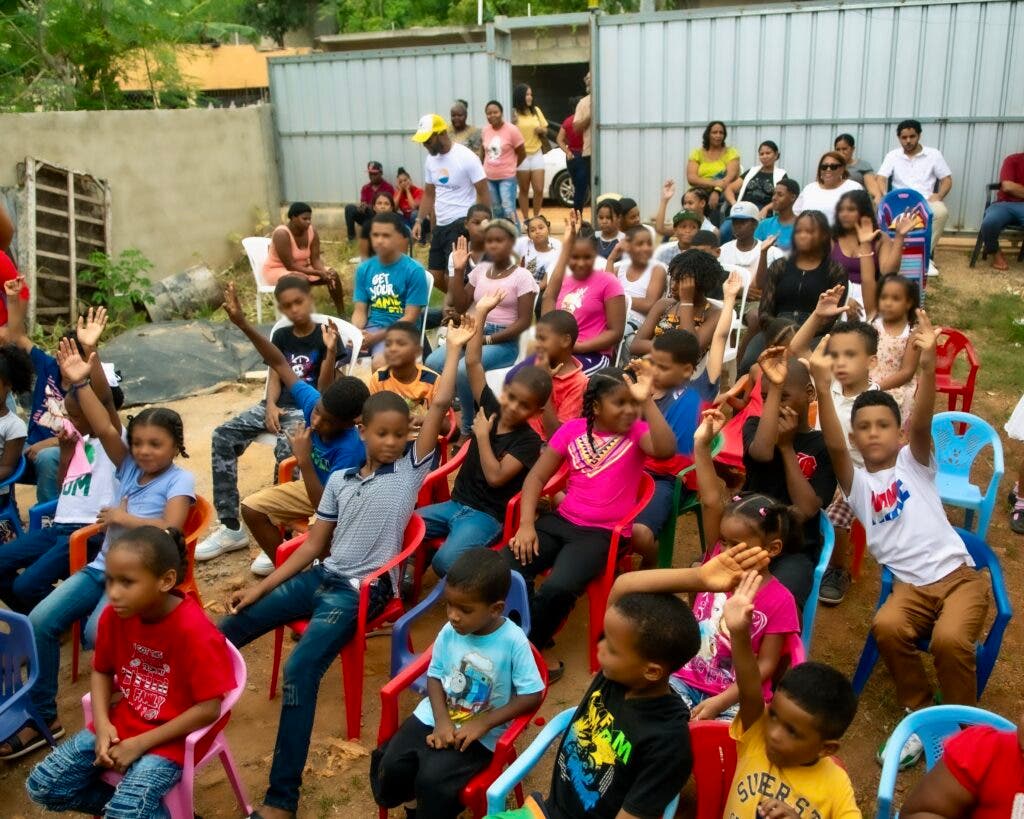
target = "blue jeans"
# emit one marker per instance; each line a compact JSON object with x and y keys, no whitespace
{"x":43,"y":554}
{"x":503,"y":199}
{"x":81,"y":595}
{"x":694,"y":697}
{"x":463,"y":527}
{"x":579,"y":171}
{"x":67,"y":780}
{"x":331,"y":604}
{"x":1000,"y":215}
{"x":43,"y":473}
{"x":494,"y":357}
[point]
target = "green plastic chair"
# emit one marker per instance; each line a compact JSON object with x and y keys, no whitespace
{"x":667,"y":537}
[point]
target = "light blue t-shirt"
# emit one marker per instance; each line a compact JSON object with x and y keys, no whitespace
{"x":389,"y":289}
{"x":770,"y":227}
{"x":145,"y":500}
{"x":341,"y":452}
{"x":480,"y":674}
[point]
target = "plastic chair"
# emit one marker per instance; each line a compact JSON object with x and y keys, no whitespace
{"x":959,"y":438}
{"x":714,"y":765}
{"x":353,"y":654}
{"x":257,"y":248}
{"x":979,"y":246}
{"x":202,"y":746}
{"x":497,"y":793}
{"x":41,"y":515}
{"x":686,"y":478}
{"x":917,"y":244}
{"x":9,"y":502}
{"x":423,"y":318}
{"x":859,"y":542}
{"x":622,"y":355}
{"x":496,"y":378}
{"x":950,"y":344}
{"x":736,"y":330}
{"x":554,"y":485}
{"x":987,"y":650}
{"x":19,"y":670}
{"x":828,"y":543}
{"x":932,"y":726}
{"x":198,"y":520}
{"x":473,"y":796}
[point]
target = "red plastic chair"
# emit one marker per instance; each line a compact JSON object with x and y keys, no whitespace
{"x":859,"y":540}
{"x":199,"y":517}
{"x":474,"y":795}
{"x":353,"y":655}
{"x":951,"y":343}
{"x":731,"y":453}
{"x":714,"y":765}
{"x":555,"y":484}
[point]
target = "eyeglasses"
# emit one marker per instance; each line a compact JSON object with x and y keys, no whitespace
{"x":831,"y":166}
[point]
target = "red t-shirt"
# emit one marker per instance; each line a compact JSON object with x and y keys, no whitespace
{"x":1012,"y":171}
{"x":8,"y":271}
{"x":162,"y":669}
{"x":572,"y":139}
{"x":990,"y":765}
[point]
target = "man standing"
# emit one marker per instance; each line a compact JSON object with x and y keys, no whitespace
{"x":581,"y":124}
{"x":1008,"y":209}
{"x":453,"y":180}
{"x":919,"y":168}
{"x":357,"y":214}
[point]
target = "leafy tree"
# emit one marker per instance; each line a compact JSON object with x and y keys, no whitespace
{"x":275,"y":18}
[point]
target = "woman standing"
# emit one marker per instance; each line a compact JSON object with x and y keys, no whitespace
{"x":823,"y":195}
{"x":504,"y":150}
{"x":462,"y":132}
{"x":757,"y":185}
{"x":572,"y":144}
{"x":714,"y":166}
{"x":295,"y":248}
{"x":857,"y":169}
{"x":534,"y":128}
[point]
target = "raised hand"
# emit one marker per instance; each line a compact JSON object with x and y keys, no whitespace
{"x":572,"y":226}
{"x":866,"y":231}
{"x":925,"y":337}
{"x":12,"y":287}
{"x":231,"y":304}
{"x":732,"y":286}
{"x":789,"y":423}
{"x":774,"y":364}
{"x":668,"y":190}
{"x":856,"y":310}
{"x":820,"y":362}
{"x":481,"y":424}
{"x":330,"y":333}
{"x":460,"y":253}
{"x":726,"y":569}
{"x":828,"y":303}
{"x":90,"y":327}
{"x":72,"y":366}
{"x":739,"y":608}
{"x":904,"y":223}
{"x":769,"y":242}
{"x":459,"y":336}
{"x":491,"y":300}
{"x":711,"y":423}
{"x":643,"y":387}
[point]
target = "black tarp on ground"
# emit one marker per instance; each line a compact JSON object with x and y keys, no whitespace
{"x":175,"y":359}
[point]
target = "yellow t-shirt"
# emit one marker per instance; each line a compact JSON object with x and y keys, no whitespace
{"x":418,"y":393}
{"x":819,"y":790}
{"x":713,"y":168}
{"x":527,"y":125}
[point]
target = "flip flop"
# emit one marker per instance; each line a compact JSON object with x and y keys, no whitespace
{"x":555,"y":674}
{"x":20,"y":748}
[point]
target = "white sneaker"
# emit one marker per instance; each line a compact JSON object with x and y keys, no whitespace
{"x":262,"y":565}
{"x":221,"y":541}
{"x":911,"y":754}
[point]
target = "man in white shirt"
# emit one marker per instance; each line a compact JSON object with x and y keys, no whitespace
{"x":919,"y":168}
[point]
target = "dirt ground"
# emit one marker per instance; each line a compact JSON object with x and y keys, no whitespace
{"x":336,"y":777}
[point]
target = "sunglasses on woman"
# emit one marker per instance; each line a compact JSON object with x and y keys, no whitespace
{"x":829,"y":167}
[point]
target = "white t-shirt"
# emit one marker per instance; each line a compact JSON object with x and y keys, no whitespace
{"x":454,"y":176}
{"x":82,"y":497}
{"x":815,"y":197}
{"x":919,"y":172}
{"x":11,"y":429}
{"x":539,"y":264}
{"x":730,"y":254}
{"x":637,"y":289}
{"x":844,"y":409}
{"x":907,"y":529}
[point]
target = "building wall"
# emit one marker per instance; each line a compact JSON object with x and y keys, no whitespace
{"x":181,"y":181}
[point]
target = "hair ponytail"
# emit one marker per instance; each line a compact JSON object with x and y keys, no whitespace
{"x":161,"y":550}
{"x":772,"y":519}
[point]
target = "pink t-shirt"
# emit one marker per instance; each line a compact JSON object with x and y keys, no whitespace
{"x":585,"y":300}
{"x":603,"y":479}
{"x":500,"y":150}
{"x":515,"y":284}
{"x":711,"y":669}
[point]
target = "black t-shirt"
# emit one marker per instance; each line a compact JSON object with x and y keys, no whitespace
{"x":770,"y":478}
{"x":471,"y":487}
{"x":621,"y":754}
{"x":760,"y":189}
{"x":305,"y":355}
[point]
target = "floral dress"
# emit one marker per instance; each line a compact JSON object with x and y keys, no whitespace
{"x":891,"y":350}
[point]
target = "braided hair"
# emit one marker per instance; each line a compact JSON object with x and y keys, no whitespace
{"x":600,"y":384}
{"x":166,"y":419}
{"x":772,"y":519}
{"x":161,"y":550}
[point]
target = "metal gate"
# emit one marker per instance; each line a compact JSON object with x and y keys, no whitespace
{"x":334,"y":112}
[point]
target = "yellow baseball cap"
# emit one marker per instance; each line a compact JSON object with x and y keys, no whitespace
{"x":429,"y":125}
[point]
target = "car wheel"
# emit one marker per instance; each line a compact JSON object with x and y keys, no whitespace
{"x":562,"y":190}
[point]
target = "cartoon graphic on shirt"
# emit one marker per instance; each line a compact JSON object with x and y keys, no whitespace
{"x":713,"y":661}
{"x":494,"y":149}
{"x":808,"y":464}
{"x":591,"y":750}
{"x":888,"y":505}
{"x":443,"y":176}
{"x":574,"y":300}
{"x":51,"y":414}
{"x":469,"y":688}
{"x":143,"y":682}
{"x":302,"y":365}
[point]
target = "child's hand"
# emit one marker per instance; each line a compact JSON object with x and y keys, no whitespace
{"x":707,"y":709}
{"x":925,"y":339}
{"x":443,"y":736}
{"x":644,"y":386}
{"x":490,"y":301}
{"x":72,"y":367}
{"x":828,"y":303}
{"x":572,"y":225}
{"x":460,"y":336}
{"x":866,"y":232}
{"x":733,"y":286}
{"x":769,"y":242}
{"x":789,"y":422}
{"x":330,"y":334}
{"x":106,"y":737}
{"x":739,"y":608}
{"x":272,"y":418}
{"x":686,"y":288}
{"x":12,"y":287}
{"x":856,"y":310}
{"x":113,"y":515}
{"x":460,"y":253}
{"x":243,"y":598}
{"x":668,"y":190}
{"x":903,"y":224}
{"x":90,"y":327}
{"x":125,"y":753}
{"x":524,"y":544}
{"x":774,"y":365}
{"x":469,"y":732}
{"x":302,"y":444}
{"x":66,"y":439}
{"x":711,"y":423}
{"x":820,"y":362}
{"x":776,"y":809}
{"x":723,"y":571}
{"x":231,"y":304}
{"x":481,"y":424}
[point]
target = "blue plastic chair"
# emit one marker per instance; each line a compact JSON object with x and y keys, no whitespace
{"x":517,"y":602}
{"x":19,"y":670}
{"x":497,"y":794}
{"x":932,"y":726}
{"x":8,"y":501}
{"x":828,"y":543}
{"x":988,"y":650}
{"x":41,"y":515}
{"x":959,"y":437}
{"x":918,"y":243}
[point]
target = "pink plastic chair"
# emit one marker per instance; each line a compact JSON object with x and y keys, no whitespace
{"x":201,"y":747}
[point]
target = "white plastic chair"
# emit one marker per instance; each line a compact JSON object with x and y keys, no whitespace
{"x":257,"y":248}
{"x":733,"y":342}
{"x":496,"y":378}
{"x":622,"y":350}
{"x":423,"y":318}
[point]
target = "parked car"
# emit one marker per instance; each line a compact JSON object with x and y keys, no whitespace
{"x":557,"y":182}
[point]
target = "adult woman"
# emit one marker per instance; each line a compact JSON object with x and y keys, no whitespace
{"x":534,"y":128}
{"x":823,"y":195}
{"x":865,"y":253}
{"x":757,"y":185}
{"x":715,"y":165}
{"x":790,"y":286}
{"x":857,"y":169}
{"x":572,"y":144}
{"x":407,"y":197}
{"x":295,"y":248}
{"x":462,"y":132}
{"x":503,"y":151}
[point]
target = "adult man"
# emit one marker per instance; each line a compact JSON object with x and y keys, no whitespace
{"x":453,"y":180}
{"x":581,"y":122}
{"x":357,"y":214}
{"x":1008,"y":209}
{"x":919,"y":168}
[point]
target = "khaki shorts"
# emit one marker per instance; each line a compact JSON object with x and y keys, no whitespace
{"x":283,"y":503}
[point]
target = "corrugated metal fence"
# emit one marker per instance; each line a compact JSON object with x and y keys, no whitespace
{"x":334,"y":112}
{"x":799,"y":76}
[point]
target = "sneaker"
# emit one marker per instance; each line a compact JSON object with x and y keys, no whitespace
{"x":262,"y":565}
{"x":1017,"y":521}
{"x":1011,"y":498}
{"x":221,"y":541}
{"x":911,"y":754}
{"x":834,"y":586}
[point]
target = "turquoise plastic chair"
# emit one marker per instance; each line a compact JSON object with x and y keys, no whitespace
{"x":828,"y":543}
{"x":932,"y":726}
{"x":959,"y":438}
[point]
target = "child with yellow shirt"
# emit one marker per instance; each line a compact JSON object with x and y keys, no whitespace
{"x":403,"y":374}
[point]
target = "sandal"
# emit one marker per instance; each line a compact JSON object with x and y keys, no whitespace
{"x":20,"y":747}
{"x":555,"y":674}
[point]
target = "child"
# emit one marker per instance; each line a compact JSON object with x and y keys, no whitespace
{"x":787,"y":460}
{"x":556,"y":334}
{"x":389,"y":286}
{"x":404,"y":375}
{"x":311,"y":352}
{"x":328,"y":441}
{"x":605,"y":451}
{"x":895,"y":369}
{"x":784,"y":766}
{"x":170,"y":667}
{"x":502,"y":448}
{"x":152,"y":491}
{"x":383,"y":202}
{"x":706,"y":241}
{"x":15,"y":377}
{"x":937,"y":591}
{"x":473,"y":230}
{"x":780,"y":223}
{"x":537,"y":251}
{"x":641,"y":277}
{"x":685,"y":227}
{"x":360,"y":523}
{"x":696,"y":200}
{"x":482,"y":675}
{"x":629,"y":216}
{"x":744,"y":250}
{"x":608,"y":234}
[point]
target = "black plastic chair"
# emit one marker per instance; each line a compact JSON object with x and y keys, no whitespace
{"x":979,"y":249}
